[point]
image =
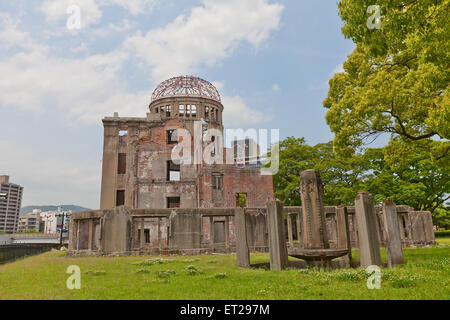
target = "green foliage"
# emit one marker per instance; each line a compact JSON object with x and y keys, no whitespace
{"x":396,"y":81}
{"x":413,"y":180}
{"x":192,"y":270}
{"x":150,"y":262}
{"x":341,"y":177}
{"x":442,"y":234}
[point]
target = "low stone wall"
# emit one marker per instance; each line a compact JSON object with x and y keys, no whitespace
{"x":11,"y":252}
{"x":122,"y":230}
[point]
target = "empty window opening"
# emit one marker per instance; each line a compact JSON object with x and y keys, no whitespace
{"x":194,"y":110}
{"x":146,"y":235}
{"x":172,"y":137}
{"x":181,"y":110}
{"x":173,"y":202}
{"x":213,"y":149}
{"x":122,"y":163}
{"x":168,"y":111}
{"x":241,"y":200}
{"x":217,"y":182}
{"x":219,"y":232}
{"x":207,"y":112}
{"x":120,"y":198}
{"x":123,"y":133}
{"x":188,"y":110}
{"x":213,"y":117}
{"x":217,"y":114}
{"x":173,"y":171}
{"x":405,"y":232}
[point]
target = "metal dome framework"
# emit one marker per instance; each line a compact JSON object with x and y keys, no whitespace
{"x":186,"y":86}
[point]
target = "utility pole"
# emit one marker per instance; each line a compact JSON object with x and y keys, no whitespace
{"x":62,"y":229}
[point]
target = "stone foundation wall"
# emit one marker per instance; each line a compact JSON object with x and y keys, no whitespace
{"x":193,"y":231}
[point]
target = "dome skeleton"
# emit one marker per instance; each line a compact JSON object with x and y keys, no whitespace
{"x":187,"y":86}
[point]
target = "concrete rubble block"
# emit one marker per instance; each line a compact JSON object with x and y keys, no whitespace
{"x":116,"y":231}
{"x":313,"y":212}
{"x":393,"y":238}
{"x":369,"y":246}
{"x":343,"y":234}
{"x":421,"y":227}
{"x":277,"y":241}
{"x":185,"y":230}
{"x":242,"y":251}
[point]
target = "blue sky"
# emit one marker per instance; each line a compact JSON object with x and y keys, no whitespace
{"x":271,"y":61}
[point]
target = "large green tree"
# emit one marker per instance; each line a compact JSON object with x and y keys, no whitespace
{"x":397,"y":79}
{"x":414,"y":180}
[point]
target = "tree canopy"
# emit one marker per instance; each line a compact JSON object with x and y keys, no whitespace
{"x":417,"y":181}
{"x":396,"y":81}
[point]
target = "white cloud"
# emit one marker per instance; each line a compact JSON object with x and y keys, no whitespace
{"x":47,"y":178}
{"x":54,"y":11}
{"x":237,"y":114}
{"x":135,"y":6}
{"x":11,"y":36}
{"x":209,"y":34}
{"x":91,"y":10}
{"x":276,"y":87}
{"x":86,"y":89}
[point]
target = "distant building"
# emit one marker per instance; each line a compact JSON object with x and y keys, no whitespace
{"x":10,"y":204}
{"x":52,"y":221}
{"x":30,"y":221}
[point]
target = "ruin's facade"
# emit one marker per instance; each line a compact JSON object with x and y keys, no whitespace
{"x":138,"y":170}
{"x":152,"y":204}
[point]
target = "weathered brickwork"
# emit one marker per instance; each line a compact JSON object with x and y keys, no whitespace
{"x":138,"y":152}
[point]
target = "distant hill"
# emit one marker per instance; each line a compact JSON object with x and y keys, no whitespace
{"x":74,"y":208}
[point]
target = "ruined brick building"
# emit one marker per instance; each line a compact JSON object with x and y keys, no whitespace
{"x":151,"y":204}
{"x":137,"y":168}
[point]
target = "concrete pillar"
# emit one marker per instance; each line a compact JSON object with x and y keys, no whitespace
{"x":130,"y":190}
{"x":211,"y":232}
{"x":313,"y":212}
{"x":428,"y":226}
{"x":72,"y":234}
{"x":116,"y":231}
{"x":242,"y":251}
{"x":369,"y":246}
{"x":142,"y":232}
{"x":393,"y":238}
{"x":227,"y":234}
{"x":277,"y":240}
{"x":343,"y":232}
{"x":91,"y":234}
{"x":299,"y":228}
{"x":290,"y":235}
{"x":159,"y":234}
{"x":109,"y":166}
{"x":417,"y":228}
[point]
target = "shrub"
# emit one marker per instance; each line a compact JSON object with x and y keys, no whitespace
{"x":166,"y":274}
{"x":442,"y":233}
{"x":151,"y":262}
{"x":142,"y":270}
{"x":192,"y":270}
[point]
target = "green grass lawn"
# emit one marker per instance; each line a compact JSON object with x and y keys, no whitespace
{"x":426,"y":275}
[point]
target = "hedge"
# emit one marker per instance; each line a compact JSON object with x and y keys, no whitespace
{"x":442,"y":233}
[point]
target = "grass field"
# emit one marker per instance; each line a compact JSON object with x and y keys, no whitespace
{"x":426,"y":275}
